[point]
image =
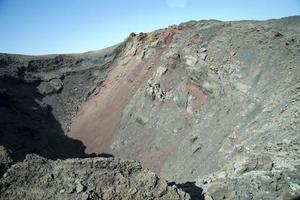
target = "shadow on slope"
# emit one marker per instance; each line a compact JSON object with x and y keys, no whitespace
{"x":27,"y":125}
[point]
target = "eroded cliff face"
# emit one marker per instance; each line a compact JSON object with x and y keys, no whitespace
{"x":209,"y":102}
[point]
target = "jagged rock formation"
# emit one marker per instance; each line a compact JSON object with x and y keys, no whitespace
{"x":210,"y":103}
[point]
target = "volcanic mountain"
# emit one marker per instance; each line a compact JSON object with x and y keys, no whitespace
{"x":210,"y":106}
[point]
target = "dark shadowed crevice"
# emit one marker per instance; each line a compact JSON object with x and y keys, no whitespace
{"x":194,"y":191}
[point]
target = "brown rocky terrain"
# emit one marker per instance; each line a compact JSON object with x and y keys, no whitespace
{"x":210,"y":106}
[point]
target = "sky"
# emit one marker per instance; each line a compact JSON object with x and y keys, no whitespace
{"x":36,"y":27}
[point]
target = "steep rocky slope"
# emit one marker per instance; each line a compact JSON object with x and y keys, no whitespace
{"x":211,"y":105}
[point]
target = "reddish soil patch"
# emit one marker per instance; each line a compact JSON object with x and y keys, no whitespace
{"x":99,"y":118}
{"x":198,"y":93}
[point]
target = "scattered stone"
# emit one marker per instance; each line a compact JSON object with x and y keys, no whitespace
{"x":161,"y":70}
{"x":277,"y":34}
{"x":155,"y":91}
{"x":190,"y":60}
{"x":194,"y":138}
{"x":203,"y":49}
{"x":79,"y":187}
{"x":196,"y":147}
{"x":71,"y":189}
{"x":203,"y":56}
{"x":214,"y":69}
{"x":141,"y":120}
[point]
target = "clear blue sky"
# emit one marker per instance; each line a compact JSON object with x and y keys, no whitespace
{"x":69,"y":26}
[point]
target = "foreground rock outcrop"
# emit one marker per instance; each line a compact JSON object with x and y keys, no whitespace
{"x":91,"y":178}
{"x":270,"y":174}
{"x":211,"y":106}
